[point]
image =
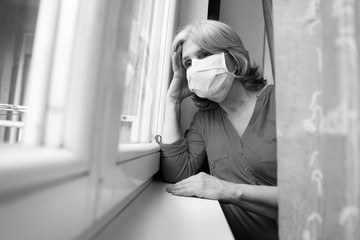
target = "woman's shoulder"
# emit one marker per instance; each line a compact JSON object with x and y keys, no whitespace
{"x":208,"y":114}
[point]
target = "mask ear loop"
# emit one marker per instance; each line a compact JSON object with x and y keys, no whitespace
{"x":236,"y":71}
{"x":236,"y":65}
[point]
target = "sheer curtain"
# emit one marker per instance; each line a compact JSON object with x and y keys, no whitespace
{"x":318,"y":110}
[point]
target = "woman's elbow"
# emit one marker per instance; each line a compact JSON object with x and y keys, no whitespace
{"x":171,"y":175}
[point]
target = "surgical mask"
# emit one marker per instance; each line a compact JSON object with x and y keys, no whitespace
{"x":209,"y":77}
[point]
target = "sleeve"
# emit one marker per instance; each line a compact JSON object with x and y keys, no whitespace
{"x":184,"y":157}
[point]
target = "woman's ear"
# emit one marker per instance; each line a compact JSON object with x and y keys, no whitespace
{"x":231,"y":63}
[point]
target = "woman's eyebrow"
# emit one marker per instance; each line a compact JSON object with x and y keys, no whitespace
{"x":199,"y":51}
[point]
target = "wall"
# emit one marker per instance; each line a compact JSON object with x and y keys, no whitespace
{"x":191,"y":11}
{"x":318,"y":106}
{"x":246,"y":17}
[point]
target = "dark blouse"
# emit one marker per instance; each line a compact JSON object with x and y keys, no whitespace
{"x":249,"y":159}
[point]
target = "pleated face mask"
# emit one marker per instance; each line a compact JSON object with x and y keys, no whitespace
{"x":209,"y":77}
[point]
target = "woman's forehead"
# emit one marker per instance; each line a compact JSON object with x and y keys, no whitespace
{"x":189,"y":48}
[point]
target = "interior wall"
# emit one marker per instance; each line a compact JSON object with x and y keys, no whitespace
{"x":191,"y":11}
{"x":246,"y":17}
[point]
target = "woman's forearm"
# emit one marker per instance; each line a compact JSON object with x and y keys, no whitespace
{"x":262,"y":200}
{"x":172,"y":127}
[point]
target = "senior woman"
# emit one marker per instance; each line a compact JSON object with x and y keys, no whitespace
{"x":234,"y":130}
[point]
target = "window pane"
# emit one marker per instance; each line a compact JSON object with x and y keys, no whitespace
{"x":138,"y":88}
{"x":17,"y":28}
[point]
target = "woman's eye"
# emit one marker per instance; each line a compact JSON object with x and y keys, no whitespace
{"x":204,"y":55}
{"x":187,"y":64}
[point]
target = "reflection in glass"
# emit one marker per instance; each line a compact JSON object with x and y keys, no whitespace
{"x":135,"y":117}
{"x":17,"y":28}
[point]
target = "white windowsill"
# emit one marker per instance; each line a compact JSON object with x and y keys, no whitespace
{"x":156,"y":214}
{"x":23,"y":167}
{"x":130,"y":151}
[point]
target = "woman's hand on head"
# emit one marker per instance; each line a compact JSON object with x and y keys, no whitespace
{"x":178,"y":89}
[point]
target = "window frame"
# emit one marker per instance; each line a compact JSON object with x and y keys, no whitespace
{"x":136,"y":154}
{"x":41,"y":159}
{"x":70,"y":169}
{"x":89,"y":162}
{"x":35,"y":162}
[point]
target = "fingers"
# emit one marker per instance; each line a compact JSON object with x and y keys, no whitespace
{"x":179,"y":54}
{"x":177,"y":186}
{"x":180,"y":190}
{"x":190,"y":181}
{"x":185,"y":187}
{"x":200,"y":185}
{"x":175,"y":64}
{"x":177,"y":59}
{"x":183,"y":192}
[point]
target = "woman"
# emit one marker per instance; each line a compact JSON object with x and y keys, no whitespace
{"x":234,"y":130}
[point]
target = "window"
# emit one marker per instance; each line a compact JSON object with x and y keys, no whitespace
{"x":137,"y":90}
{"x":146,"y":70}
{"x":43,"y":85}
{"x":18,"y":22}
{"x":35,"y":60}
{"x":69,"y":154}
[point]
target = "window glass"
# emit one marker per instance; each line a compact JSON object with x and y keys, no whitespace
{"x":139,"y":88}
{"x":18,"y":21}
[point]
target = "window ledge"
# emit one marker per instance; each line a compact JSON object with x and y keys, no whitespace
{"x":156,"y":214}
{"x":130,"y":151}
{"x":23,"y":167}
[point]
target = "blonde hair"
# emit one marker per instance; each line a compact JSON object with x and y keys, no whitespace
{"x":213,"y":37}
